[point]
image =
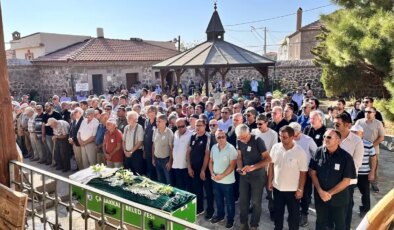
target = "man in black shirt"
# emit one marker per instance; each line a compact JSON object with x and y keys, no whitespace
{"x":277,"y":121}
{"x":66,"y":115}
{"x":251,"y":118}
{"x":197,"y":158}
{"x":368,"y":102}
{"x":253,"y":157}
{"x":47,"y":131}
{"x":331,"y":170}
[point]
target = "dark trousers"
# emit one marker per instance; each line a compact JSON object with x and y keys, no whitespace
{"x":281,"y":200}
{"x":150,"y":169}
{"x":163,"y":175}
{"x":179,"y":179}
{"x":326,"y":213}
{"x":349,"y":211}
{"x":135,"y":163}
{"x":363,"y":186}
{"x":20,"y":140}
{"x":236,"y":186}
{"x":306,"y":198}
{"x":62,"y":153}
{"x":198,"y":187}
{"x":251,"y":187}
{"x":224,"y":194}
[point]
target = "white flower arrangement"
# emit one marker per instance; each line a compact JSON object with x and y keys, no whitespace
{"x":98,"y":167}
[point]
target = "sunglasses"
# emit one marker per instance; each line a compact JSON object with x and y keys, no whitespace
{"x":107,"y":109}
{"x":214,"y":110}
{"x":327,"y":137}
{"x":181,"y":126}
{"x":212,"y":125}
{"x":366,"y":102}
{"x":221,"y":137}
{"x":248,"y":115}
{"x":259,"y":124}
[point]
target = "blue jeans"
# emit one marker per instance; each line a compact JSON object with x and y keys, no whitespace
{"x":224,"y":193}
{"x":163,"y":175}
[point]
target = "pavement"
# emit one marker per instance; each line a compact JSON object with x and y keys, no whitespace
{"x":386,"y":183}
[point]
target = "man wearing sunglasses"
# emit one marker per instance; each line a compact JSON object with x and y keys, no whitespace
{"x":367,"y":102}
{"x":250,"y":114}
{"x":352,"y":144}
{"x":223,"y":158}
{"x":373,"y":132}
{"x":331,"y":170}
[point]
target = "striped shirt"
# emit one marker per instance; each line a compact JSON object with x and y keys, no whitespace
{"x":369,"y":151}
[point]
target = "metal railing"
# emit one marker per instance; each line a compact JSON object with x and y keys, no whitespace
{"x":36,"y":197}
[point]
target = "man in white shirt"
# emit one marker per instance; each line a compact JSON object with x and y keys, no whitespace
{"x":254,"y":85}
{"x":179,"y":165}
{"x":286,"y":177}
{"x":310,"y":147}
{"x":87,"y":137}
{"x":226,"y":121}
{"x":352,"y":144}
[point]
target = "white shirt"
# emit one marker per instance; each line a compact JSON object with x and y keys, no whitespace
{"x":224,"y":125}
{"x":88,"y":130}
{"x":287,"y":166}
{"x":254,"y":84}
{"x":308,"y":145}
{"x":181,"y":144}
{"x":270,"y":137}
{"x":353,"y":144}
{"x":299,"y":98}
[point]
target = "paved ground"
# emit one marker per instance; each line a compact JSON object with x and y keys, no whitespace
{"x":386,"y":183}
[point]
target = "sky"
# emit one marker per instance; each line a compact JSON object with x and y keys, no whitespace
{"x":163,"y":20}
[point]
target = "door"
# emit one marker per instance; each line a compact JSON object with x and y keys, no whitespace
{"x":131,"y":80}
{"x":97,"y":80}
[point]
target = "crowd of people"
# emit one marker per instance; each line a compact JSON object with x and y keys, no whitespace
{"x":225,"y":151}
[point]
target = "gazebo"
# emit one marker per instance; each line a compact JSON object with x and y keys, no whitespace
{"x":214,"y":56}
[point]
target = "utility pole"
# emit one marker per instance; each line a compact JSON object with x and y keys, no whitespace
{"x":179,"y":43}
{"x":265,"y":40}
{"x":8,"y":150}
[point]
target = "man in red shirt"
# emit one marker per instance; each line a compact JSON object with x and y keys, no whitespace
{"x":112,"y":145}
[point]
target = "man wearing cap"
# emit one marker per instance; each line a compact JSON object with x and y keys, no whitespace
{"x":86,"y":138}
{"x":373,"y":132}
{"x":60,"y":135}
{"x":77,"y":115}
{"x":112,"y":145}
{"x":254,"y":85}
{"x":366,"y":173}
{"x":331,"y":170}
{"x":47,"y":131}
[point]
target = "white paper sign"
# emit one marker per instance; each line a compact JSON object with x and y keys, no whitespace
{"x":82,"y":87}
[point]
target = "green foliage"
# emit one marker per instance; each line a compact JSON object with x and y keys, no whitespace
{"x":277,"y":94}
{"x":356,"y":47}
{"x":34,"y":96}
{"x":386,"y":106}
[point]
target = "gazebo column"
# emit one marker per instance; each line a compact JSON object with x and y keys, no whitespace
{"x":178,"y":73}
{"x":8,"y":150}
{"x":206,"y":80}
{"x":163,"y":74}
{"x":223,"y":72}
{"x":264,"y":72}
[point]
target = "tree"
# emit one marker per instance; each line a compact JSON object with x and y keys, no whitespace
{"x":356,"y":47}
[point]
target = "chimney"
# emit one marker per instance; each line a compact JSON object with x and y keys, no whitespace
{"x":299,"y":19}
{"x":100,"y":32}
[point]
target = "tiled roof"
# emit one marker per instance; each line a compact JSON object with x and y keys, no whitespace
{"x":103,"y":49}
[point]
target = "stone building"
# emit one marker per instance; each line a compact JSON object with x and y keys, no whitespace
{"x":38,"y":44}
{"x":93,"y":64}
{"x":298,"y":45}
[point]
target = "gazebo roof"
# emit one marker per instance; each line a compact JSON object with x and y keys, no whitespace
{"x":215,"y":52}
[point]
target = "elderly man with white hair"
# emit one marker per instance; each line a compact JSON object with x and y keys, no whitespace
{"x":310,"y":148}
{"x":316,"y":129}
{"x":60,"y":141}
{"x":253,"y":157}
{"x":77,"y":116}
{"x":133,"y":137}
{"x":87,"y":137}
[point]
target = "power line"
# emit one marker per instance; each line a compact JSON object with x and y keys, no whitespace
{"x":277,"y":17}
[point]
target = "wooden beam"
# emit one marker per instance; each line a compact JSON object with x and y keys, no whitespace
{"x":163,"y":74}
{"x":178,"y":73}
{"x":206,"y":80}
{"x":8,"y":150}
